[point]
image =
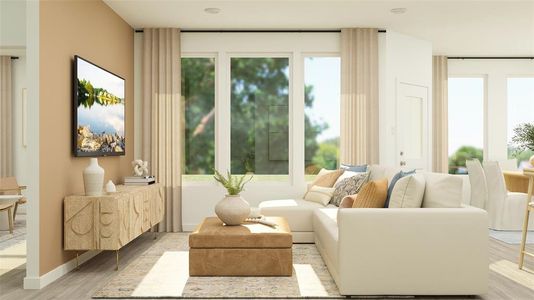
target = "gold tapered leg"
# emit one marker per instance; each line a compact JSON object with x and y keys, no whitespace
{"x":117,"y":259}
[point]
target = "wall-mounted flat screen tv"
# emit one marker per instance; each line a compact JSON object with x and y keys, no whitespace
{"x":98,"y":111}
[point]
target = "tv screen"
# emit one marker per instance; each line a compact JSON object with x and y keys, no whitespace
{"x":98,"y":111}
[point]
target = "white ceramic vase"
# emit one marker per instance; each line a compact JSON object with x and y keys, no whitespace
{"x":232,"y":210}
{"x":110,"y":187}
{"x":93,"y":178}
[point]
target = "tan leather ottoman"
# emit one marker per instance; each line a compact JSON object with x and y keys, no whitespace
{"x":250,"y":249}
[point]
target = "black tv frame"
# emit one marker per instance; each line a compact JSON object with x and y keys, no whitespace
{"x":75,"y":103}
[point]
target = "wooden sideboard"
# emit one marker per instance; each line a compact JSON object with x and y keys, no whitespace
{"x":111,"y":221}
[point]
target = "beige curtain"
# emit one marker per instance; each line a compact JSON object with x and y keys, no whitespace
{"x":162,"y":121}
{"x":439,"y":114}
{"x":359,"y":96}
{"x":6,"y":118}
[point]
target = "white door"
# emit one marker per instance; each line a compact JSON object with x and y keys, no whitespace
{"x":412,"y":126}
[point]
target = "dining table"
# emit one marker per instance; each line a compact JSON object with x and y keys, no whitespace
{"x":516,"y":181}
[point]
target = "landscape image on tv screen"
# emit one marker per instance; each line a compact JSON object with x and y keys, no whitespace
{"x":99,"y":115}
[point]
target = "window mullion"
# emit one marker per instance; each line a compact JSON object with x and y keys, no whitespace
{"x":222,"y":108}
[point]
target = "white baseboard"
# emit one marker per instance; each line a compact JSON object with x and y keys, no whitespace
{"x":35,"y":283}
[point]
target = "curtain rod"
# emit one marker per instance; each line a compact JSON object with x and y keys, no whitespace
{"x":491,"y":57}
{"x":261,"y":31}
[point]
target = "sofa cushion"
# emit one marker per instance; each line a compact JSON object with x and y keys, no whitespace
{"x":298,"y":212}
{"x":372,"y":195}
{"x":408,"y":192}
{"x":349,"y":186}
{"x":442,"y":190}
{"x":319,"y":194}
{"x":380,"y":172}
{"x":327,"y":178}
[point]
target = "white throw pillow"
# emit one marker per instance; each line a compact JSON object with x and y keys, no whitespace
{"x":442,"y":190}
{"x":319,"y":194}
{"x":408,"y":192}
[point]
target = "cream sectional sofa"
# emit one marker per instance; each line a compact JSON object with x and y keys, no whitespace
{"x":434,"y":250}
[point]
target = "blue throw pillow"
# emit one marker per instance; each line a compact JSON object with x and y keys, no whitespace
{"x":354,"y":168}
{"x":394,"y":181}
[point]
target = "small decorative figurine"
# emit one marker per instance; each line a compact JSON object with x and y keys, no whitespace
{"x":140,"y":168}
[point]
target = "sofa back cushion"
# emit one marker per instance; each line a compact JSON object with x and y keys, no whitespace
{"x":372,"y":195}
{"x":319,"y":194}
{"x":442,"y":190}
{"x":408,"y":192}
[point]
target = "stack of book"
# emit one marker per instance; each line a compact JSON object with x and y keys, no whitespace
{"x":139,"y":180}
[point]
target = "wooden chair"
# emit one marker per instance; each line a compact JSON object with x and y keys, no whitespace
{"x":9,"y":186}
{"x":528,"y":210}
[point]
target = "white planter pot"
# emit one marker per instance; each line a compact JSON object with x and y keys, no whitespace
{"x":93,"y":178}
{"x":232,"y":210}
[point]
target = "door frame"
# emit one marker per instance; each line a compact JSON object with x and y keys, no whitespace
{"x":427,"y":124}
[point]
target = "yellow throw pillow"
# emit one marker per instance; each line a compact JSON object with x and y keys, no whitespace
{"x":372,"y":195}
{"x":327,"y":178}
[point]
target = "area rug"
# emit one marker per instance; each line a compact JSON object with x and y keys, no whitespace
{"x":162,"y":272}
{"x":511,"y":237}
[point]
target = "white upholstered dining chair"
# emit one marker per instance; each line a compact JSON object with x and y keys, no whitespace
{"x":505,"y":209}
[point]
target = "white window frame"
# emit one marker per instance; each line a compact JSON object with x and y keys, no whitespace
{"x":294,"y":46}
{"x":508,"y":100}
{"x":496,"y":72}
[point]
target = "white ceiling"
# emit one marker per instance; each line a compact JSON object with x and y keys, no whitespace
{"x":455,"y":28}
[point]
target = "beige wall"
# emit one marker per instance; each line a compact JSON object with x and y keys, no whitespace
{"x":93,"y":31}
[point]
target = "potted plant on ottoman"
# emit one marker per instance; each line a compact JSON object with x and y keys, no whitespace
{"x":232,"y":209}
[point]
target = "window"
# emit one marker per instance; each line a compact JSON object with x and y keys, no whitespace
{"x":466,"y":122}
{"x":260,"y":116}
{"x":198,"y":92}
{"x":322,"y":103}
{"x":520,"y":111}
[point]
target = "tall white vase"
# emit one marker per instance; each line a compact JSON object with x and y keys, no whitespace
{"x":93,"y":178}
{"x":232,"y":210}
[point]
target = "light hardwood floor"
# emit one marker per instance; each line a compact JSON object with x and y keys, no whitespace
{"x":505,"y":281}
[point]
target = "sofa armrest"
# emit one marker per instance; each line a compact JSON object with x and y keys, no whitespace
{"x":423,"y":251}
